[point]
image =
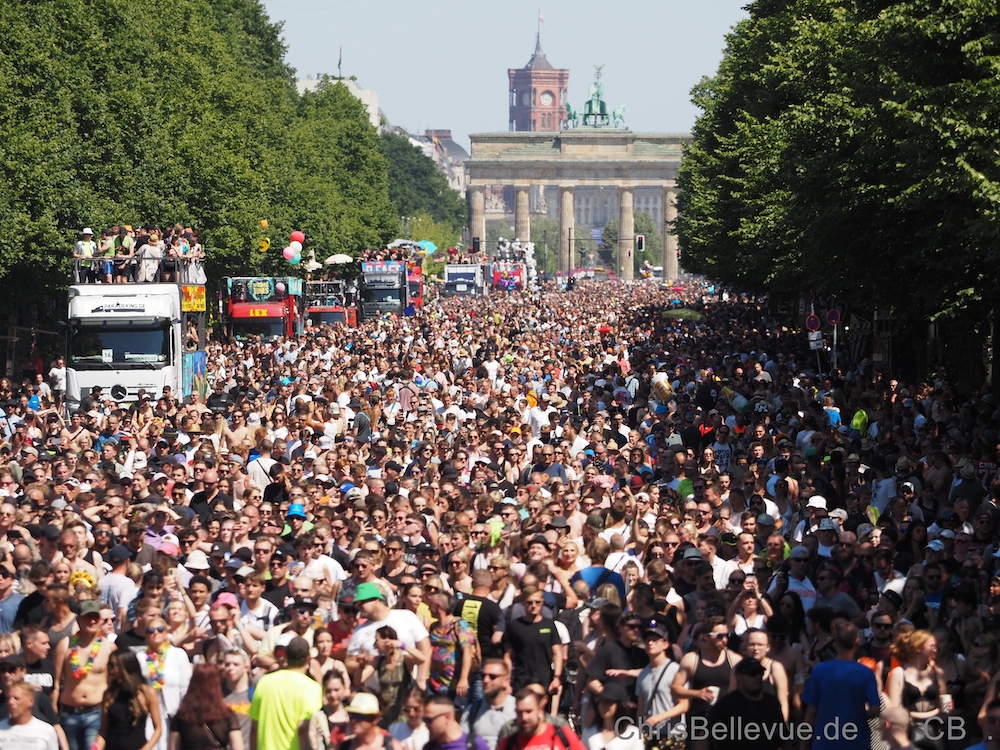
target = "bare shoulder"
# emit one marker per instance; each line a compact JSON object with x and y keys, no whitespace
{"x":689,"y":661}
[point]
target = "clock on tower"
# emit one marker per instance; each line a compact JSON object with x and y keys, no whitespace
{"x":538,"y":94}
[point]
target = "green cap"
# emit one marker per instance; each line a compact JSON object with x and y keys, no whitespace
{"x":367,"y":592}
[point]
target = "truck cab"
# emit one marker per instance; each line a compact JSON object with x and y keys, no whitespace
{"x":135,"y":336}
{"x":465,"y":280}
{"x":327,"y":303}
{"x":263,"y":306}
{"x":383,"y":288}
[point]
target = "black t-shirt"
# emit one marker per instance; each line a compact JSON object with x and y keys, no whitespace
{"x":682,"y":587}
{"x":278,"y":595}
{"x":30,"y":611}
{"x":201,"y":505}
{"x":276,"y":492}
{"x":531,"y":645}
{"x":130,"y":639}
{"x":691,"y":437}
{"x":483,"y":615}
{"x":616,"y":655}
{"x":42,"y":674}
{"x":766,"y":713}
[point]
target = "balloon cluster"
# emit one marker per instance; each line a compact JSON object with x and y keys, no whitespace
{"x":293,"y":253}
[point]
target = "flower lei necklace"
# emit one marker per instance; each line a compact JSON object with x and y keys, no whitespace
{"x":156,"y":663}
{"x":82,"y":670}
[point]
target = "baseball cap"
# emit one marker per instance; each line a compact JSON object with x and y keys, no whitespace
{"x":658,"y":628}
{"x":296,"y":510}
{"x":937,"y":545}
{"x":120,"y":553}
{"x":817,"y":501}
{"x":89,"y":607}
{"x":691,"y":553}
{"x":799,"y":553}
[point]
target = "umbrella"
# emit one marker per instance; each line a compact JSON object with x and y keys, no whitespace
{"x":338,"y":259}
{"x":427,"y":246}
{"x":313,"y":266}
{"x":400,"y":243}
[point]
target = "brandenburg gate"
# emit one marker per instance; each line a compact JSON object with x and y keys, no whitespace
{"x":583,"y":156}
{"x":598,"y":152}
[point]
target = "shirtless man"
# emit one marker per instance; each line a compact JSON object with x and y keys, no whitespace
{"x":79,"y":697}
{"x":239,"y":434}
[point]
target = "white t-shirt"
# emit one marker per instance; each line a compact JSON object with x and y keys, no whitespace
{"x":410,"y":739}
{"x":58,"y":377}
{"x":804,"y":588}
{"x":630,"y":739}
{"x":261,"y":616}
{"x":34,"y":735}
{"x":409,"y":630}
{"x":117,"y":591}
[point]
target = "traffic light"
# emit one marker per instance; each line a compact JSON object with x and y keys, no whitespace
{"x":475,"y":244}
{"x":640,"y":243}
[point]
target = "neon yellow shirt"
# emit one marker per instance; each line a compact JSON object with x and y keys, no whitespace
{"x":281,"y":701}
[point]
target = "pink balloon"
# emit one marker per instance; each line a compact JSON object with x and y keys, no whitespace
{"x":297,"y":236}
{"x":288,"y":253}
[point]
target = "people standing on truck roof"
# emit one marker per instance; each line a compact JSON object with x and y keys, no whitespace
{"x":125,"y":252}
{"x":85,"y":250}
{"x":150,"y":254}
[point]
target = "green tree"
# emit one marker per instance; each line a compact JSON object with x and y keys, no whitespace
{"x":842,"y":144}
{"x":148,"y":111}
{"x":417,"y":186}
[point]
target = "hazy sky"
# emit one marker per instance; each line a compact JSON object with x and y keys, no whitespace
{"x":444,"y":64}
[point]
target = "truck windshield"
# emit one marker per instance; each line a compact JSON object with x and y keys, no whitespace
{"x":266,"y":328}
{"x":414,"y":289}
{"x":380,"y":295}
{"x":119,"y":345}
{"x":328,"y":318}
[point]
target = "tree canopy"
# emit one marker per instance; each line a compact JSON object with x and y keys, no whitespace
{"x":417,"y":186}
{"x":156,"y":111}
{"x":848,"y":147}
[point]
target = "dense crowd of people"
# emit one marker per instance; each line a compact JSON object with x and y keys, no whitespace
{"x":524,"y":521}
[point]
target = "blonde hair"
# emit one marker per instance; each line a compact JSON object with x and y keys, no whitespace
{"x":610,"y":592}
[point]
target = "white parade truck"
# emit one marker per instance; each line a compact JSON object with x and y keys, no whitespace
{"x":132,"y":336}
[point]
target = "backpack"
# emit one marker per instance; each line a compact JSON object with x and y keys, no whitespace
{"x":571,"y":619}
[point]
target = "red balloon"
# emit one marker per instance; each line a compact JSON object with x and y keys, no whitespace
{"x":297,"y":236}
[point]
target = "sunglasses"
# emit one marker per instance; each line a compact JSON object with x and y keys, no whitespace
{"x":157,"y":629}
